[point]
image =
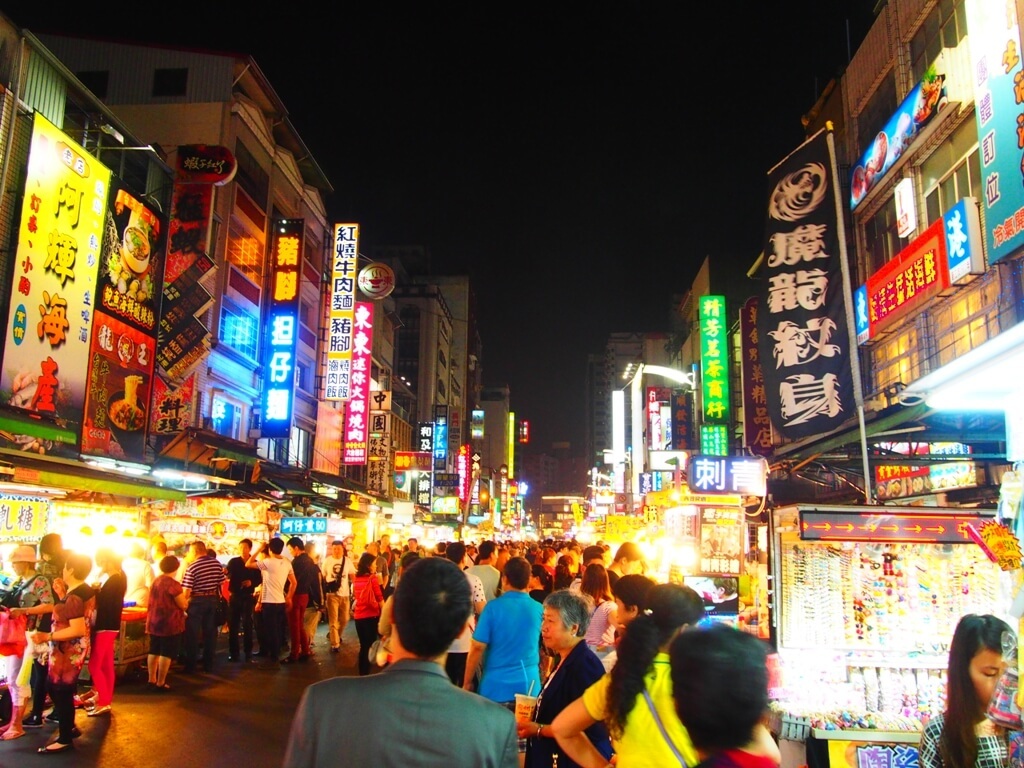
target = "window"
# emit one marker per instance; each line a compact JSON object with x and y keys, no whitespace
{"x":239,"y":330}
{"x":881,"y":242}
{"x":967,"y":320}
{"x":250,"y":174}
{"x":952,"y":172}
{"x":442,"y":390}
{"x":97,"y":82}
{"x":226,"y":416}
{"x":245,"y":251}
{"x":945,"y":27}
{"x":441,"y":359}
{"x":895,"y":360}
{"x":170,"y":82}
{"x":300,"y":447}
{"x":876,"y":113}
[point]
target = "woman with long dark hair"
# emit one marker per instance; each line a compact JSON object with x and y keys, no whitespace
{"x":564,"y":573}
{"x":634,"y":700}
{"x":369,"y":599}
{"x":601,"y":631}
{"x":962,"y":737}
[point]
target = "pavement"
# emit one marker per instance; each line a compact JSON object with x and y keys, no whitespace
{"x":236,"y":715}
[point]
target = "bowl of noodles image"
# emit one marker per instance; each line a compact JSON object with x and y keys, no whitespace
{"x":126,"y":418}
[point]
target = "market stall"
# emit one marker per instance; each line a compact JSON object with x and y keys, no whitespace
{"x":132,"y":642}
{"x":866,"y":601}
{"x":220,"y":519}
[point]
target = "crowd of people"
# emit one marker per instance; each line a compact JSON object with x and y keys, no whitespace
{"x":504,"y":654}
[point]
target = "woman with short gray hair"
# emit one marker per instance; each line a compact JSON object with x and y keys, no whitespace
{"x":565,"y":622}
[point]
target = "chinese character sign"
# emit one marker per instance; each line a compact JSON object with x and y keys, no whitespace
{"x":721,"y":540}
{"x":714,"y":359}
{"x":913,"y":277}
{"x":341,"y":316}
{"x":327,"y":442}
{"x":22,"y":517}
{"x":727,"y":475}
{"x":53,"y":294}
{"x":117,"y":395}
{"x":757,"y":425}
{"x":440,"y":447}
{"x":172,"y":406}
{"x":356,"y":429}
{"x":282,"y":327}
{"x":996,"y":69}
{"x":802,"y":331}
{"x":681,"y":419}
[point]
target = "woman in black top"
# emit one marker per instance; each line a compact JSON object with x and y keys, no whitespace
{"x":109,"y":603}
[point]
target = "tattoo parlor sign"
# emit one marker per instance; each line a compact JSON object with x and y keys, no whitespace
{"x":802,"y":330}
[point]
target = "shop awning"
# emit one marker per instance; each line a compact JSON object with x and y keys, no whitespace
{"x":289,"y":486}
{"x":16,"y":421}
{"x":70,"y":475}
{"x":914,"y":423}
{"x":200,"y":447}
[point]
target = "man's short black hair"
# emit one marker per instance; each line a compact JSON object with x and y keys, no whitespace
{"x":486,"y":549}
{"x":456,"y":552}
{"x":432,"y":604}
{"x":517,"y":571}
{"x":630,"y":551}
{"x":720,"y":685}
{"x":276,"y":545}
{"x":296,"y":542}
{"x":593,"y":552}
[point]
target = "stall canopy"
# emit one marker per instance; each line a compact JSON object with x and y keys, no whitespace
{"x":830,"y":467}
{"x":68,"y":475}
{"x":194,"y":448}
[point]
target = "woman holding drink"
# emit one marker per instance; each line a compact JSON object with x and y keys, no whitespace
{"x":562,"y":630}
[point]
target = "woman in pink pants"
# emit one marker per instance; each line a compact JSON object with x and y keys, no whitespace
{"x":109,"y":603}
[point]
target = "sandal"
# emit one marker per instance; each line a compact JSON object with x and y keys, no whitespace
{"x":11,"y":735}
{"x":164,"y":687}
{"x":54,"y":747}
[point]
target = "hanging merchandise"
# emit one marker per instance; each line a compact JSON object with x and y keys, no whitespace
{"x":865,"y":604}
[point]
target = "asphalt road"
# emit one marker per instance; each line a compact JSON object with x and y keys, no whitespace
{"x":238,"y":715}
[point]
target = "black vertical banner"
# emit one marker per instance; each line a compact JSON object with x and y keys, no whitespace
{"x":802,"y":328}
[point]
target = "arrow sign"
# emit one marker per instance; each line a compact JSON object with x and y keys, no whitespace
{"x":931,"y":527}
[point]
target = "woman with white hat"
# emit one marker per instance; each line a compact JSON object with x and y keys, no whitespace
{"x":29,"y":591}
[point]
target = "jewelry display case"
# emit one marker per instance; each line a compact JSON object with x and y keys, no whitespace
{"x":864,"y":604}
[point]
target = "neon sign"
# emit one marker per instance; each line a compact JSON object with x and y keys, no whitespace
{"x":282,"y":327}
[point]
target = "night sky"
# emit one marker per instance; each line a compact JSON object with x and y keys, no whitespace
{"x":578,"y":160}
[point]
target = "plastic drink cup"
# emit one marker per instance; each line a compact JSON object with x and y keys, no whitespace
{"x":524,"y":707}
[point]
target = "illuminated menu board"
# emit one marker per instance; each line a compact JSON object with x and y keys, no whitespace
{"x":714,"y":359}
{"x":53,"y":291}
{"x":282,"y":327}
{"x":338,"y":377}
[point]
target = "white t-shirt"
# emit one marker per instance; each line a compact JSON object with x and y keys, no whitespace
{"x":490,"y":576}
{"x":275,"y":578}
{"x":332,"y":568}
{"x":463,"y":642}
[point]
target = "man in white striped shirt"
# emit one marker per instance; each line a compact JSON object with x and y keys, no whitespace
{"x":201,"y":583}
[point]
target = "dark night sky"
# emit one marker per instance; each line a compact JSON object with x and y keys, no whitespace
{"x":579,"y":160}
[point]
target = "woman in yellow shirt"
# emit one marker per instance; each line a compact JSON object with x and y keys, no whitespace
{"x":634,"y":700}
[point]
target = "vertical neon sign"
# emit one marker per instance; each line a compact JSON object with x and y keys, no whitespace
{"x":282,"y":327}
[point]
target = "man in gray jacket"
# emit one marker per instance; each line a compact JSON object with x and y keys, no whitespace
{"x":410,"y":713}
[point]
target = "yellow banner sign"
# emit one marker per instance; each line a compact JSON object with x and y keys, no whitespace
{"x":22,"y":518}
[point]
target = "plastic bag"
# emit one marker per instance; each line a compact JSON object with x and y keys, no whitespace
{"x":12,"y":634}
{"x":1003,"y":709}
